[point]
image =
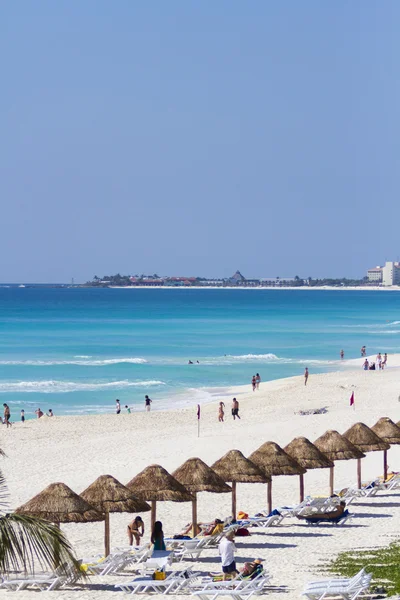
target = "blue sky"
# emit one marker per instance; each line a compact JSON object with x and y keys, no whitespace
{"x":187,"y":137}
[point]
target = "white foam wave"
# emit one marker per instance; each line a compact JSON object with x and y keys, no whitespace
{"x":87,"y":363}
{"x":268,"y":356}
{"x":55,"y":387}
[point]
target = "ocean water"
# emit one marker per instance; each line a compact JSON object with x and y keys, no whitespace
{"x":77,"y":350}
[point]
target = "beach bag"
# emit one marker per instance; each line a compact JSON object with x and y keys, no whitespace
{"x":242,"y":532}
{"x":242,"y":515}
{"x":159,"y":575}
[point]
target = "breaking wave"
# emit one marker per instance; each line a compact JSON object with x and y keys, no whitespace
{"x":85,"y":361}
{"x":61,"y":387}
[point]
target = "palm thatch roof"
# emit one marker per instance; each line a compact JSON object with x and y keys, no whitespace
{"x":365,"y":439}
{"x":59,"y":504}
{"x":273,"y":460}
{"x":307,"y":455}
{"x":155,"y":483}
{"x":107,"y":494}
{"x":235,"y":467}
{"x":196,"y":476}
{"x":387,"y":430}
{"x":337,"y":447}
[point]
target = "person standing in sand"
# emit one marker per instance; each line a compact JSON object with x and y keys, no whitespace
{"x":136,"y":530}
{"x":221,"y":412}
{"x":258,"y":380}
{"x":39,"y":413}
{"x":227,"y":552}
{"x":235,"y":409}
{"x":342,"y":354}
{"x":7,"y":415}
{"x":305,"y":375}
{"x":253,"y":383}
{"x":147,"y":403}
{"x":117,"y":407}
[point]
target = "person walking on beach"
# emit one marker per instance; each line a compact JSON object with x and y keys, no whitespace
{"x":227,"y":552}
{"x":147,"y":403}
{"x":258,"y":380}
{"x":117,"y":407}
{"x":221,"y":412}
{"x":384,"y":360}
{"x":22,"y":416}
{"x":253,"y":383}
{"x":235,"y":409}
{"x":366,"y":365}
{"x":7,"y":415}
{"x":342,"y":354}
{"x":305,"y":375}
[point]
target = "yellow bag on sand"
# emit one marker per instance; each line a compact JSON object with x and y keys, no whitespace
{"x":242,"y":515}
{"x":159,"y":575}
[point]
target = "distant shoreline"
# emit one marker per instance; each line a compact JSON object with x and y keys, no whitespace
{"x":209,"y":287}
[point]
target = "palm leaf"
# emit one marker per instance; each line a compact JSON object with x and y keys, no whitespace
{"x":4,"y":495}
{"x":27,"y":542}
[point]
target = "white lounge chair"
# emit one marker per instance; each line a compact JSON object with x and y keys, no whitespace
{"x":174,"y":583}
{"x":190,"y":549}
{"x":348,"y":589}
{"x":42,"y":581}
{"x":237,"y":589}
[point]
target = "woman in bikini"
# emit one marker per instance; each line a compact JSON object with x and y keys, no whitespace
{"x":221,"y":412}
{"x":136,"y":530}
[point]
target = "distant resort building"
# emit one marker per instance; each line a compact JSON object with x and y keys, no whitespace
{"x":387,"y":275}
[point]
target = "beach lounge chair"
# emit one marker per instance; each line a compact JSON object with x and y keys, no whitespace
{"x":339,"y":520}
{"x":237,"y":589}
{"x":173,"y":583}
{"x":42,"y":581}
{"x":114,"y":563}
{"x":263,"y":522}
{"x":190,"y":549}
{"x":348,"y":589}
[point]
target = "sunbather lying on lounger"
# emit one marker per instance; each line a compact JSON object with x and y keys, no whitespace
{"x":213,"y":528}
{"x":250,"y":570}
{"x":331,"y":515}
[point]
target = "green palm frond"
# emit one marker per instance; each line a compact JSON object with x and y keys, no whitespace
{"x":28,"y":542}
{"x":4,"y":495}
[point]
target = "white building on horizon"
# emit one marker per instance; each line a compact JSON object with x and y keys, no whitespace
{"x":387,"y":275}
{"x":391,"y":274}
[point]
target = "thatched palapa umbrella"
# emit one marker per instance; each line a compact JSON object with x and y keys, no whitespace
{"x":273,"y":460}
{"x":59,"y":504}
{"x":235,"y":468}
{"x":388,"y":432}
{"x":365,"y":440}
{"x":106,"y":495}
{"x":307,"y":456}
{"x":196,"y":476}
{"x":336,"y":447}
{"x":155,"y":484}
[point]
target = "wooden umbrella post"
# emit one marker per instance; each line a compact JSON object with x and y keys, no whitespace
{"x":359,"y":473}
{"x":331,"y":480}
{"x":301,"y":476}
{"x":269,"y":492}
{"x":106,"y":533}
{"x":233,"y":484}
{"x":153,"y":513}
{"x":194,"y":515}
{"x":385,"y":465}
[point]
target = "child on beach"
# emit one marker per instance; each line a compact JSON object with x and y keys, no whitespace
{"x":128,"y":410}
{"x":221,"y":412}
{"x":147,"y":403}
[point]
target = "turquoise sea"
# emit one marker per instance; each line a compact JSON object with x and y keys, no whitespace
{"x":76,"y":350}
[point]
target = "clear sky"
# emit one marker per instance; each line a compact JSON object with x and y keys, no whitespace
{"x":189,"y":137}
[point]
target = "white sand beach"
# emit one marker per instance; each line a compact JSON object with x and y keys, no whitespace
{"x":76,"y":450}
